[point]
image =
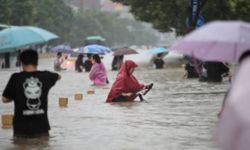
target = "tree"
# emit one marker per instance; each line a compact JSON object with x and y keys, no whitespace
{"x":57,"y":17}
{"x":168,"y":14}
{"x":16,"y":12}
{"x":109,"y":25}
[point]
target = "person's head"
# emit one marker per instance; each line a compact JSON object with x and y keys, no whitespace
{"x":129,"y":67}
{"x":80,"y":56}
{"x":159,"y":55}
{"x":89,"y":56}
{"x":244,"y":56}
{"x":59,"y":55}
{"x":96,"y":59}
{"x":29,"y":57}
{"x":121,"y":57}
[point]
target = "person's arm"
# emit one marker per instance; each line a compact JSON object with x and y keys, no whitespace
{"x":9,"y":91}
{"x":53,"y":78}
{"x":6,"y":100}
{"x":59,"y":77}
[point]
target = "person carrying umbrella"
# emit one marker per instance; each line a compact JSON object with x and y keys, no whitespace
{"x":158,"y":61}
{"x":58,"y":62}
{"x":119,"y":56}
{"x":117,"y":62}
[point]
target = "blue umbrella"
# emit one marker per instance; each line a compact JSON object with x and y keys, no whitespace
{"x":155,"y":51}
{"x":15,"y":37}
{"x":62,"y":48}
{"x":3,"y":26}
{"x":94,"y":49}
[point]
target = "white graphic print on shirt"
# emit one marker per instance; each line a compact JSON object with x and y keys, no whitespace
{"x":33,"y":90}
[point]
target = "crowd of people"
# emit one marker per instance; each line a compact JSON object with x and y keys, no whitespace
{"x":206,"y":71}
{"x":29,"y":89}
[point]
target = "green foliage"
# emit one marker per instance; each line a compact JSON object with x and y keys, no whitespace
{"x":54,"y":16}
{"x":242,"y":9}
{"x":57,"y":17}
{"x":168,"y":14}
{"x":109,"y":25}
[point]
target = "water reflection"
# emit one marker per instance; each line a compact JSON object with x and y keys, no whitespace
{"x":125,"y":104}
{"x":31,"y":143}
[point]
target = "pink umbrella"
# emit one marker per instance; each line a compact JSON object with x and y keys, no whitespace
{"x":216,"y":41}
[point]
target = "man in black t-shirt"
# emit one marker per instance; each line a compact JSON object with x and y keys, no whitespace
{"x":29,"y":90}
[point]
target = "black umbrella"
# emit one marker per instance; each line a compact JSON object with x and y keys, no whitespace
{"x":124,"y":51}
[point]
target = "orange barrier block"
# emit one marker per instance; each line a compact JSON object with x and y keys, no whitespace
{"x":78,"y":96}
{"x":7,"y":121}
{"x":63,"y":101}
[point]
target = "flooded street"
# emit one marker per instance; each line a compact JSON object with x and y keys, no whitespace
{"x":179,"y":114}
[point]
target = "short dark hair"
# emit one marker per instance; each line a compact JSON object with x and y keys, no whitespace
{"x":244,"y":55}
{"x":59,"y":54}
{"x":121,"y":57}
{"x":89,"y":55}
{"x":160,"y":54}
{"x":29,"y":57}
{"x":97,"y":58}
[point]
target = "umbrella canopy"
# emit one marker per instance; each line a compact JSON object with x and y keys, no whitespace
{"x":15,"y":37}
{"x":62,"y":48}
{"x":155,"y":51}
{"x":95,"y":38}
{"x":3,"y":26}
{"x":216,"y":41}
{"x":124,"y":51}
{"x":94,"y":49}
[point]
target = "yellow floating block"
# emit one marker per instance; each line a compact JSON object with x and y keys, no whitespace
{"x":63,"y":101}
{"x":7,"y":121}
{"x":78,"y":96}
{"x":91,"y":91}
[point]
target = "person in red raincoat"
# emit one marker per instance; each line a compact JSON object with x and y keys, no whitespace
{"x":125,"y":85}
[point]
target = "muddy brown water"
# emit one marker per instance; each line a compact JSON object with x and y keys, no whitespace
{"x":179,"y":114}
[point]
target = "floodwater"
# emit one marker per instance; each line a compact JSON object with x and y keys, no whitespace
{"x":179,"y":114}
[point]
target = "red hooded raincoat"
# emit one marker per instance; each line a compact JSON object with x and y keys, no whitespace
{"x":125,"y":83}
